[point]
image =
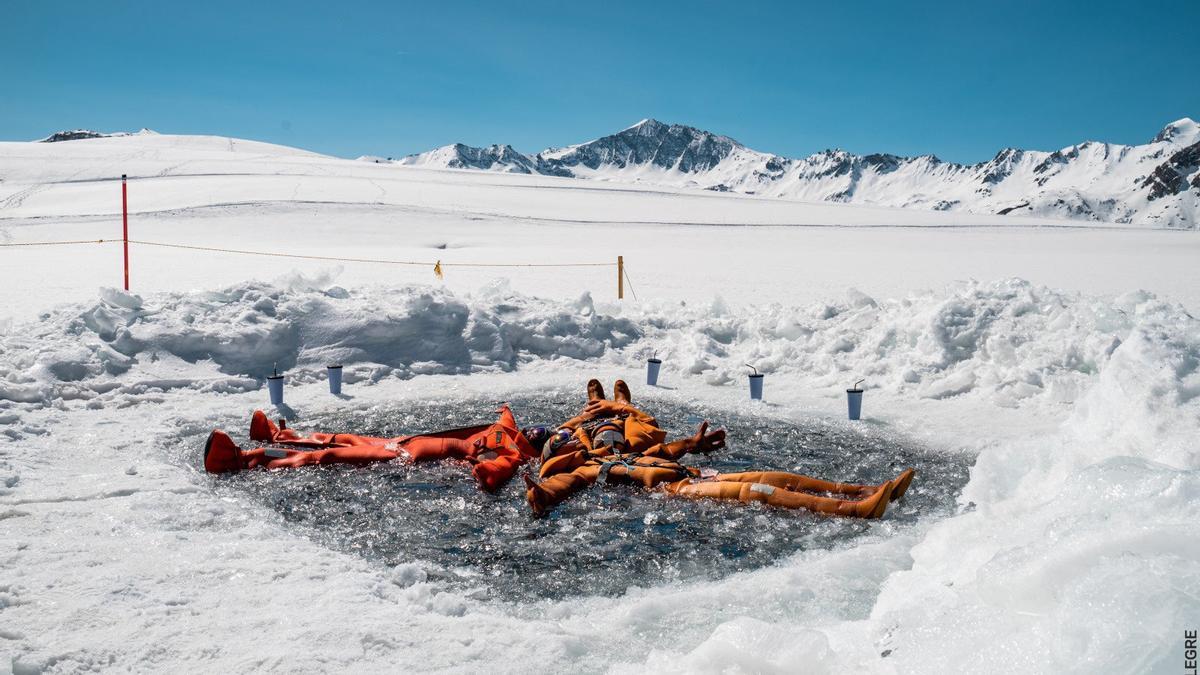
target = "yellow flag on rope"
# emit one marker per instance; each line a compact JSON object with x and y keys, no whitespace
{"x":437,"y":269}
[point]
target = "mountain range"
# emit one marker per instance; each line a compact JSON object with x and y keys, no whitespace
{"x":84,"y":134}
{"x":1155,"y":184}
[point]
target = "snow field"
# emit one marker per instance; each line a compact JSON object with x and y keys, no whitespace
{"x":679,"y":244}
{"x":787,"y":265}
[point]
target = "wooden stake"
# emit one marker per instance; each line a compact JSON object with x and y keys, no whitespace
{"x":125,"y":226}
{"x":620,"y":277}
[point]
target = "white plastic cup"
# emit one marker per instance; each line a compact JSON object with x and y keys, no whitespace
{"x":335,"y":379}
{"x":854,"y":403}
{"x":652,"y":366}
{"x":275,"y":386}
{"x":756,"y":386}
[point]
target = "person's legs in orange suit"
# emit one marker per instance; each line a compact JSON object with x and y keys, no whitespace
{"x":263,"y":430}
{"x":355,"y":454}
{"x":222,"y":455}
{"x":798,"y":482}
{"x":430,"y":448}
{"x":871,"y":507}
{"x":801,"y":483}
{"x":551,"y":492}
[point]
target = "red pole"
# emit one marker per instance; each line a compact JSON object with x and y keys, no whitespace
{"x":125,"y":226}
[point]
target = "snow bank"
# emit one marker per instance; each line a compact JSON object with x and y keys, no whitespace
{"x":1079,"y":552}
{"x":1009,"y":341}
{"x":1075,"y":552}
{"x":117,"y":346}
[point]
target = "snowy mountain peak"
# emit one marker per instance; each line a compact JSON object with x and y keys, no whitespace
{"x":650,"y":144}
{"x":1183,"y":130}
{"x":653,"y":128}
{"x":496,"y":157}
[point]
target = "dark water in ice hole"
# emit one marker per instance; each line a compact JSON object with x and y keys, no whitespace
{"x":604,"y":539}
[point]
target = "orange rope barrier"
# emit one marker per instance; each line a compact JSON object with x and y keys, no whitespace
{"x":380,"y":261}
{"x":361,"y":260}
{"x":624,"y":276}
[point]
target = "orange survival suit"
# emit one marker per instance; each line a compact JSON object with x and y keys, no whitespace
{"x":495,"y":451}
{"x":646,"y":460}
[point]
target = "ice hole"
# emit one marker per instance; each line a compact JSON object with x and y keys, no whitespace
{"x":606,"y":539}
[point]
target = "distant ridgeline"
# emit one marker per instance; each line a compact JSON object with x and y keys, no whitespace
{"x":1156,"y":184}
{"x":80,"y":134}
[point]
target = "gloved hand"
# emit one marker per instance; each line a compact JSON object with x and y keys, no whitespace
{"x":705,"y":442}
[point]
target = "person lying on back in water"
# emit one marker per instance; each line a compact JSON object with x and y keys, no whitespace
{"x":615,"y":442}
{"x":494,"y":451}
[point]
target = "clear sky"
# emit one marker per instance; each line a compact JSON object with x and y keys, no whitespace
{"x":958,"y":79}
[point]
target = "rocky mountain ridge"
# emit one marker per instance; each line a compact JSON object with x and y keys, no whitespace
{"x":1155,"y":184}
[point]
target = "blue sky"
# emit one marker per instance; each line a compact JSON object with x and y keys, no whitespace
{"x":956,"y":79}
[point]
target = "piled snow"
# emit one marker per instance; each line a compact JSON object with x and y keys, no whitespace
{"x":1078,"y":551}
{"x":1008,"y":341}
{"x":301,"y":325}
{"x":1081,"y":551}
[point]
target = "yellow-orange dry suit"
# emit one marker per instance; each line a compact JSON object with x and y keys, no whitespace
{"x":647,"y":460}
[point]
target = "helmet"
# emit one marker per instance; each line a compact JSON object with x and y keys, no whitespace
{"x":536,"y":435}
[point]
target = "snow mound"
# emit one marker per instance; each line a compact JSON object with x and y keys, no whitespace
{"x":1009,"y":342}
{"x":124,"y":345}
{"x":1074,"y":552}
{"x":1079,"y":553}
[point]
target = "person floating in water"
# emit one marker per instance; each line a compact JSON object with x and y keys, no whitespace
{"x":495,"y":451}
{"x":615,"y":442}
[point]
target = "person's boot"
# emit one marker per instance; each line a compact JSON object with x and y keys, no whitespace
{"x":595,"y":390}
{"x":621,"y":392}
{"x":262,"y":429}
{"x":875,"y":505}
{"x":536,"y":496}
{"x":493,"y":474}
{"x":221,"y":454}
{"x":902,"y":483}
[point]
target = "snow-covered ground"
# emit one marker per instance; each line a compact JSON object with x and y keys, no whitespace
{"x":1076,"y":389}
